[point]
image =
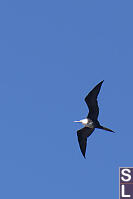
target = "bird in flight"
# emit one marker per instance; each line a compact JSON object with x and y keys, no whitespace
{"x":91,"y":122}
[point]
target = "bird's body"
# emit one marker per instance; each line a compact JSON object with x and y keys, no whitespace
{"x":91,"y":122}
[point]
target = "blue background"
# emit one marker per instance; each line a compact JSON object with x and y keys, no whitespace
{"x":52,"y":53}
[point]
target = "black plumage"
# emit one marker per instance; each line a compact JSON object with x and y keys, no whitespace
{"x":92,"y":118}
{"x":82,"y":138}
{"x":91,"y":101}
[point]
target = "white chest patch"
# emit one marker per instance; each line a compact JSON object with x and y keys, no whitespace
{"x":88,"y":123}
{"x":85,"y":121}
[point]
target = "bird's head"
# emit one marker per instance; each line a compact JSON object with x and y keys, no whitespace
{"x":84,"y":121}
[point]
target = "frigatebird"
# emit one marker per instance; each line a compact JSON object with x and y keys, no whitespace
{"x":91,"y":122}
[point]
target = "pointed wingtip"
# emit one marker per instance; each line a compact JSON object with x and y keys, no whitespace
{"x":84,"y":156}
{"x":112,"y":131}
{"x":100,"y":83}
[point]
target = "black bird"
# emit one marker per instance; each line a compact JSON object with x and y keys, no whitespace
{"x":91,"y":122}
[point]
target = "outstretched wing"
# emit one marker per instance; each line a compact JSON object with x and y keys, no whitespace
{"x":91,"y":101}
{"x":82,"y":138}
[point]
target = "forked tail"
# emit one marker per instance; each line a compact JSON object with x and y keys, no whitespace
{"x":106,"y":129}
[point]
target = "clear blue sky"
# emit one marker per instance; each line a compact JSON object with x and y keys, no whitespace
{"x":52,"y":53}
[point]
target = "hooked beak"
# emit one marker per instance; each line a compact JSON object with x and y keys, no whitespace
{"x":77,"y":121}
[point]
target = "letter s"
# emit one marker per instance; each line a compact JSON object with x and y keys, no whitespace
{"x":125,"y":172}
